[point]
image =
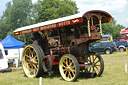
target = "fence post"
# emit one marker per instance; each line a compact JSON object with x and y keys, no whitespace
{"x":125,"y":68}
{"x":40,"y":81}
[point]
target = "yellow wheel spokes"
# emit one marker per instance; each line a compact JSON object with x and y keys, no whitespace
{"x":96,"y":64}
{"x":28,"y":56}
{"x":30,"y":61}
{"x":26,"y":64}
{"x":68,"y":67}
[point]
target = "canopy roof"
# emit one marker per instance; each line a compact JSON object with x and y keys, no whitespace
{"x":124,"y":31}
{"x":10,"y":43}
{"x":64,"y":21}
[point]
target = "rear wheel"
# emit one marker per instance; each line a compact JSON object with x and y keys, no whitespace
{"x":32,"y":61}
{"x":121,"y":49}
{"x":108,"y":51}
{"x":97,"y":63}
{"x":69,"y":67}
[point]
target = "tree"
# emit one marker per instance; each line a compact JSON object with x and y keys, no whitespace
{"x":4,"y":25}
{"x":18,"y":13}
{"x":112,"y":28}
{"x":52,"y":9}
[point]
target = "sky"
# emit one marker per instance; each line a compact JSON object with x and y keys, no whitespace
{"x":117,"y":8}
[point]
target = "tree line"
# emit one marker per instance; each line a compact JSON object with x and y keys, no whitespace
{"x":19,"y":13}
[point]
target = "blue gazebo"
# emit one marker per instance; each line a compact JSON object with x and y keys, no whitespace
{"x":11,"y":43}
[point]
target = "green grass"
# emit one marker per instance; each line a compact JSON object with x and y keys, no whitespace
{"x":114,"y":74}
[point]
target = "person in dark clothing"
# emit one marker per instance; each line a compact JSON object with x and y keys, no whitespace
{"x":36,"y":36}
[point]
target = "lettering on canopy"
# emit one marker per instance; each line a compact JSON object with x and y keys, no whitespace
{"x":48,"y":27}
{"x":26,"y":31}
{"x":35,"y":29}
{"x":51,"y":26}
{"x":60,"y":24}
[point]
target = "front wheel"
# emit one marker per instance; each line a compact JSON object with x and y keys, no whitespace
{"x":32,"y":61}
{"x":97,"y":63}
{"x":69,"y":67}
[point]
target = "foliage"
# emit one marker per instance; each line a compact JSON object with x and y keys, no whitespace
{"x":52,"y":9}
{"x":112,"y":28}
{"x":18,"y":13}
{"x":21,"y":13}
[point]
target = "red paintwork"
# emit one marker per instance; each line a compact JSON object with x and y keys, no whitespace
{"x":76,"y":20}
{"x":86,"y":38}
{"x":125,"y":32}
{"x":55,"y":59}
{"x":51,"y":26}
{"x":61,"y":52}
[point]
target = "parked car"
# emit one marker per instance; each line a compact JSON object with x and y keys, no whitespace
{"x":122,"y":45}
{"x":106,"y":38}
{"x":106,"y":47}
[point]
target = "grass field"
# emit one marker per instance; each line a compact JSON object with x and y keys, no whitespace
{"x":114,"y":74}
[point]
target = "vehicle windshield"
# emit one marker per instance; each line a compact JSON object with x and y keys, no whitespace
{"x":104,"y":39}
{"x":122,"y":36}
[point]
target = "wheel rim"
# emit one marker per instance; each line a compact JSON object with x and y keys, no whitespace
{"x":107,"y":51}
{"x":121,"y":49}
{"x":30,"y":62}
{"x":67,"y":68}
{"x":94,"y":60}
